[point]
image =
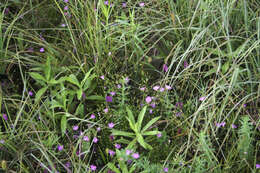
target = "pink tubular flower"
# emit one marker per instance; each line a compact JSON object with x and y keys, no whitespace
{"x":111,"y":153}
{"x":60,"y":147}
{"x":141,"y":4}
{"x":257,"y":166}
{"x":202,"y":98}
{"x":95,"y":139}
{"x":42,"y":50}
{"x":165,"y":68}
{"x":75,"y":128}
{"x":111,"y":125}
{"x":165,"y":169}
{"x":106,"y":110}
{"x":66,"y":1}
{"x":66,"y":8}
{"x":5,"y":117}
{"x":118,"y":146}
{"x":93,"y":167}
{"x":156,"y":87}
{"x":109,"y":99}
{"x":233,"y":126}
{"x":102,"y":77}
{"x":168,"y":87}
{"x":128,"y":152}
{"x":113,"y":93}
{"x":148,"y":99}
{"x":159,"y":134}
{"x":221,"y":124}
{"x":30,"y":93}
{"x":185,"y":64}
{"x":85,"y":138}
{"x":135,"y":155}
{"x":92,"y":116}
{"x":124,"y":4}
{"x":162,"y":89}
{"x":142,"y":89}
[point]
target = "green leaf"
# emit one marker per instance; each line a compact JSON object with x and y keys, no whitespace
{"x":140,"y":118}
{"x":37,"y":76}
{"x":122,"y":140}
{"x":130,"y":116}
{"x":122,"y":133}
{"x":55,"y":104}
{"x":53,"y":81}
{"x":131,"y":144}
{"x":86,"y":77}
{"x":63,"y":125}
{"x":94,"y":97}
{"x":79,"y":93}
{"x":150,"y":133}
{"x":122,"y":164}
{"x":113,"y":167}
{"x":73,"y":79}
{"x":151,"y":122}
{"x":40,"y":93}
{"x":131,"y":124}
{"x":141,"y":141}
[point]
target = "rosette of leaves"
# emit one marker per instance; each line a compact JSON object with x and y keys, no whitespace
{"x":138,"y":132}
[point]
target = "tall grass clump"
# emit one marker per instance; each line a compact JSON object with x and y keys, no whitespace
{"x":129,"y":86}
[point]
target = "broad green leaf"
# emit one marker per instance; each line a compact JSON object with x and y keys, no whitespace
{"x":47,"y":69}
{"x":132,"y":169}
{"x":86,"y":77}
{"x":40,"y":93}
{"x":63,"y":125}
{"x":130,"y":115}
{"x":37,"y":76}
{"x":140,"y":118}
{"x":122,"y":133}
{"x":141,"y":141}
{"x":150,"y":133}
{"x":122,"y":140}
{"x":53,"y":81}
{"x":151,"y":122}
{"x":73,"y":79}
{"x":55,"y":104}
{"x":113,"y":167}
{"x":94,"y":97}
{"x":131,"y":125}
{"x":79,"y":94}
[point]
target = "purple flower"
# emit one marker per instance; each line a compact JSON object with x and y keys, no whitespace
{"x":141,"y":4}
{"x":111,"y":137}
{"x":67,"y":164}
{"x":2,"y":141}
{"x":127,"y":152}
{"x":152,"y":105}
{"x":148,"y":99}
{"x":165,"y":169}
{"x":111,"y":153}
{"x":233,"y":126}
{"x":93,"y":167}
{"x":185,"y":64}
{"x":42,"y":49}
{"x":30,"y":93}
{"x":202,"y":98}
{"x":257,"y":166}
{"x":220,"y":124}
{"x":113,"y":93}
{"x":124,"y":4}
{"x":118,"y":146}
{"x":156,"y":87}
{"x":135,"y":155}
{"x":111,"y":125}
{"x":127,"y":80}
{"x":244,"y":105}
{"x":5,"y":117}
{"x":66,"y":8}
{"x":98,"y":129}
{"x":60,"y":147}
{"x":7,"y":10}
{"x":178,"y":114}
{"x":109,"y":99}
{"x":142,"y":89}
{"x":150,"y":111}
{"x":102,"y":77}
{"x":162,"y":89}
{"x":75,"y":128}
{"x":106,"y":110}
{"x":168,"y":87}
{"x":85,"y":138}
{"x":95,"y":139}
{"x":92,"y":116}
{"x":159,"y":134}
{"x":106,"y":2}
{"x":66,"y":1}
{"x":118,"y":86}
{"x":165,"y":68}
